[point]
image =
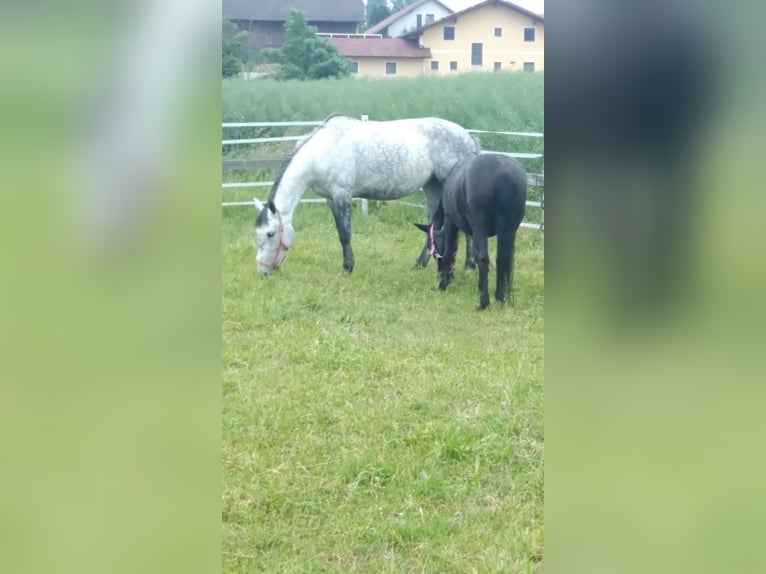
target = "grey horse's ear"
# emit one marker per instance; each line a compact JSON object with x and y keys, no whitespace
{"x":258,"y":204}
{"x":272,"y":207}
{"x":423,"y":226}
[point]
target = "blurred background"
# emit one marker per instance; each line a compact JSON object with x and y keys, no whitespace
{"x":654,"y":275}
{"x":110,"y":298}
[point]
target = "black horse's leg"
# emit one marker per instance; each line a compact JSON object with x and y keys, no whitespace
{"x":482,"y":258}
{"x":470,"y":262}
{"x":450,"y":250}
{"x":341,"y":211}
{"x":433,"y":193}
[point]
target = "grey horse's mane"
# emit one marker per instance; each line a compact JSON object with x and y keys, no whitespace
{"x":477,"y":142}
{"x":291,"y":155}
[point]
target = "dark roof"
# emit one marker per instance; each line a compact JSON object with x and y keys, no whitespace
{"x":385,"y":23}
{"x":277,"y":10}
{"x":378,"y":48}
{"x":452,"y":17}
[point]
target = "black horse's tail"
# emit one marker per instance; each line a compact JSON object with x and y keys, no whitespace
{"x":511,"y":196}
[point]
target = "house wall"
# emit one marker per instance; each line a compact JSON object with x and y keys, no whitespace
{"x":273,"y":33}
{"x":410,"y":21}
{"x":478,"y":26}
{"x":335,"y":27}
{"x":263,"y":34}
{"x":376,"y":67}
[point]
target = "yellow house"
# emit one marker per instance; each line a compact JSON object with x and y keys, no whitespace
{"x":491,"y":35}
{"x":373,"y":55}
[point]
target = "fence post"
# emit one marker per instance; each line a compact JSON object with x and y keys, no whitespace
{"x":365,"y":209}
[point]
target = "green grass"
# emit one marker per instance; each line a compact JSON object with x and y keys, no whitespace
{"x":505,"y":101}
{"x":372,"y":423}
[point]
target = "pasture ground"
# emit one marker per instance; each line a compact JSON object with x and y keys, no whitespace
{"x":372,"y":423}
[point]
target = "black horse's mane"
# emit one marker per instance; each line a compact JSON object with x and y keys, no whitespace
{"x":291,"y":155}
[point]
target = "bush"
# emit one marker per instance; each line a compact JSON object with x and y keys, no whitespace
{"x":233,"y":49}
{"x":304,"y":56}
{"x":230,"y":65}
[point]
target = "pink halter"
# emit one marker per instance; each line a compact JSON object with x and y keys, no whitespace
{"x":432,"y":249}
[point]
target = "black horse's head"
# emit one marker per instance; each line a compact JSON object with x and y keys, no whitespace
{"x":436,"y":243}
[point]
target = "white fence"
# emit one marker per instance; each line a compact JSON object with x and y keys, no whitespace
{"x":537,"y":180}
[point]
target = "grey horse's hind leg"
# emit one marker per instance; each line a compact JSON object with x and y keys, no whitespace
{"x":433,"y":192}
{"x":341,"y":211}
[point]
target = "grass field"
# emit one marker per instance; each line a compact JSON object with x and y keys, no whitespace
{"x":372,"y":423}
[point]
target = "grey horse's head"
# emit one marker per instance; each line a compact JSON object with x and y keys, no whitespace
{"x":273,"y":237}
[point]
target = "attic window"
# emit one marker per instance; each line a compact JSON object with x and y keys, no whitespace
{"x":429,"y":18}
{"x":529,"y":34}
{"x":449,"y":33}
{"x":498,"y":32}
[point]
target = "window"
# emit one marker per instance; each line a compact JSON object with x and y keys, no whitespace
{"x":497,"y":66}
{"x":498,"y":32}
{"x":529,"y":34}
{"x":434,"y":65}
{"x":476,"y":54}
{"x":448,"y":33}
{"x":390,"y":68}
{"x":354,"y":67}
{"x":529,"y":66}
{"x":430,"y":18}
{"x":453,"y":66}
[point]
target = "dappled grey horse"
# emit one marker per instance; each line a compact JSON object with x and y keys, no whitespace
{"x":345,"y":158}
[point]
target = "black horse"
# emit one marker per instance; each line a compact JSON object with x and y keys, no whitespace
{"x":485,"y":195}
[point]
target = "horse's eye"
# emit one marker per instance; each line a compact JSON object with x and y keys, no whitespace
{"x":270,"y":234}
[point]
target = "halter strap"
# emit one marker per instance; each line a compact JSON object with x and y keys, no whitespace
{"x":280,"y":245}
{"x":432,"y":250}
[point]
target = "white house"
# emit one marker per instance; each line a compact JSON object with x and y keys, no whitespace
{"x":409,"y":18}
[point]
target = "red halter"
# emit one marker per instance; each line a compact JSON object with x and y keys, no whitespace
{"x":280,"y":245}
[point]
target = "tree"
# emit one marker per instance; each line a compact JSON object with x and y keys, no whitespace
{"x":233,"y":49}
{"x":397,"y":5}
{"x":375,"y":11}
{"x":305,"y":56}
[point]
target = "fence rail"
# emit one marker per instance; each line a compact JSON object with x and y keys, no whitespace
{"x":316,"y":123}
{"x":533,"y":179}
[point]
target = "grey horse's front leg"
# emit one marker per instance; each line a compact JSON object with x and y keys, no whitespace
{"x":341,"y":211}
